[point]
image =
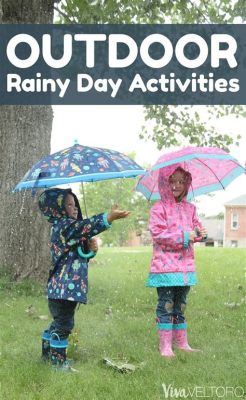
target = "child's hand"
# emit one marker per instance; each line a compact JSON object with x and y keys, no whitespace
{"x":203,"y":232}
{"x":116,"y":214}
{"x":93,"y":246}
{"x":192,"y":235}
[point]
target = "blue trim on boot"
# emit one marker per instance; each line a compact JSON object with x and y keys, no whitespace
{"x":46,"y":335}
{"x":55,"y":341}
{"x":59,"y":344}
{"x":180,"y":326}
{"x":165,"y":327}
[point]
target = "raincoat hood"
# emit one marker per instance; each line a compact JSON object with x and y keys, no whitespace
{"x":163,"y":182}
{"x":51,"y":204}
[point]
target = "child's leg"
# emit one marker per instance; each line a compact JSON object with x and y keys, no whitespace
{"x":164,"y":309}
{"x":180,"y":301}
{"x":164,"y":314}
{"x":179,"y":323}
{"x":62,"y":312}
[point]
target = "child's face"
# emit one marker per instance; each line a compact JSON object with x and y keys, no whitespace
{"x":177,"y":182}
{"x":70,"y":207}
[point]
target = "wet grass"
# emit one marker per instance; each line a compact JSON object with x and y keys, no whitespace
{"x":119,"y":322}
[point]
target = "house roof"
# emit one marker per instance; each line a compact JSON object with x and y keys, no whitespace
{"x":238,"y":201}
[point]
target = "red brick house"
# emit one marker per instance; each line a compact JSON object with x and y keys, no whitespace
{"x":235,"y":222}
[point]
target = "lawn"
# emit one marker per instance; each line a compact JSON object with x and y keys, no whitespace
{"x":119,"y":323}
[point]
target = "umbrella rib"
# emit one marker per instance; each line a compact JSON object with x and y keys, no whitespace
{"x":152,"y":190}
{"x":83,"y":194}
{"x":211,"y":171}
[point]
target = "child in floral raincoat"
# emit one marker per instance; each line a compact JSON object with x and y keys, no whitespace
{"x":174,"y":227}
{"x":71,"y":239}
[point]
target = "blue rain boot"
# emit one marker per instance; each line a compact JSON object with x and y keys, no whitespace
{"x":45,"y":346}
{"x":58,"y":354}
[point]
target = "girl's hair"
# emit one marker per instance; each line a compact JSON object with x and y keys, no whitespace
{"x":187,"y":174}
{"x":187,"y":178}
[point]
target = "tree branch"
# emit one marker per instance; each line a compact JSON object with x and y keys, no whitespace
{"x":200,"y":12}
{"x":65,"y":16}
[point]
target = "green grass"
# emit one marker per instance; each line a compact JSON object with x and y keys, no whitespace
{"x":119,"y":321}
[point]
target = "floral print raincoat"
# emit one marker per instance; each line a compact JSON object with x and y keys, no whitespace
{"x":69,"y":274}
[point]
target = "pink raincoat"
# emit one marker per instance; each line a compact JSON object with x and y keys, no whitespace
{"x":172,"y":262}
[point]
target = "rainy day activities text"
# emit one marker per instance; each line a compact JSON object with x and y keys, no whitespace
{"x":123,"y":64}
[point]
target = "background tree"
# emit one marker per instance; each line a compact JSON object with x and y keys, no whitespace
{"x":170,"y":125}
{"x":25,"y":133}
{"x":220,"y":216}
{"x":101,"y":196}
{"x":173,"y":125}
{"x":150,"y":11}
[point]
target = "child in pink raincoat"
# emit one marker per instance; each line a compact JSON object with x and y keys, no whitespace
{"x":174,"y":227}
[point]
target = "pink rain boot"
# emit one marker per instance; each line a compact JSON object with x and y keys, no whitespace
{"x":180,"y":339}
{"x":166,"y":343}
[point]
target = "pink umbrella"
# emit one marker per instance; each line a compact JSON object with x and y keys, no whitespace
{"x":211,"y":168}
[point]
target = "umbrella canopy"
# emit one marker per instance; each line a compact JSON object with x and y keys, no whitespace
{"x":79,"y":164}
{"x":211,"y":168}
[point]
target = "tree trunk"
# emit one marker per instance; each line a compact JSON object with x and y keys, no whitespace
{"x":27,"y":11}
{"x":25,"y":133}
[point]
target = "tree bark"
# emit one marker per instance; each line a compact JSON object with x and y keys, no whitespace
{"x":27,"y":11}
{"x":25,"y":133}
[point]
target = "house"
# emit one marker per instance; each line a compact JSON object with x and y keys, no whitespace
{"x":235,"y":222}
{"x":215,"y":228}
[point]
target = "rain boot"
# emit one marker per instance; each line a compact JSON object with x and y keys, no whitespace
{"x":46,"y":346}
{"x":58,"y":354}
{"x":181,"y":341}
{"x":166,"y":342}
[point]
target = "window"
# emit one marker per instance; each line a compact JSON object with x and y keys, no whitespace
{"x":234,"y":243}
{"x":234,"y":221}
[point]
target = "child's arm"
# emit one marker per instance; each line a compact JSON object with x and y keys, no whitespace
{"x":167,"y":239}
{"x":74,"y":231}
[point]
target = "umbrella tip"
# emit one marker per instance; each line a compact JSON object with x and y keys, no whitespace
{"x":75,"y":141}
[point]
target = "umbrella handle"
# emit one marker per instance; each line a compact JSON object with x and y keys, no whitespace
{"x":85,"y":255}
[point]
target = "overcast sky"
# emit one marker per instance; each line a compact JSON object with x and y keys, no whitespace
{"x":118,"y":128}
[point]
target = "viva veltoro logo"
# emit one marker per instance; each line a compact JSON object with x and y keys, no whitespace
{"x":123,"y":64}
{"x":203,"y":392}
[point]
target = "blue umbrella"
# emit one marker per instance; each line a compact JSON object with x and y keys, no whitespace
{"x":79,"y":164}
